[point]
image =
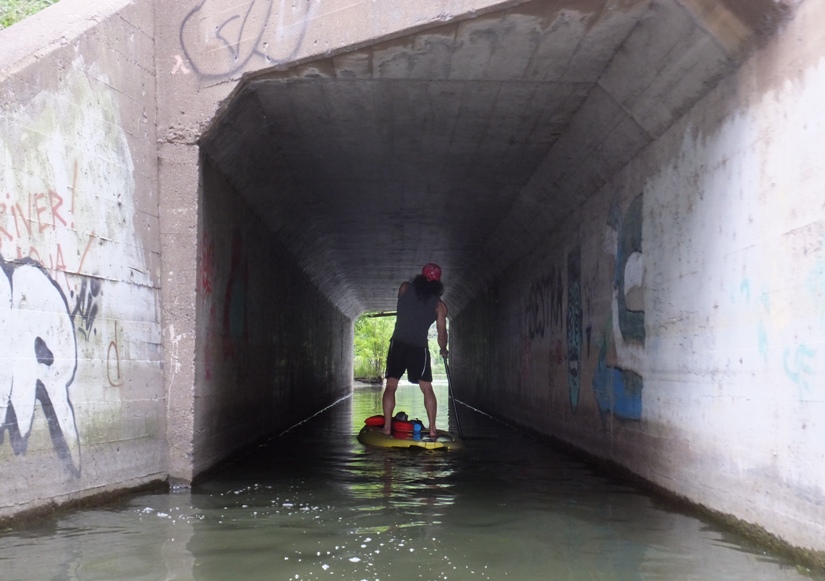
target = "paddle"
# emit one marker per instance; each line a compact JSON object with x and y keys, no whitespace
{"x":451,"y":397}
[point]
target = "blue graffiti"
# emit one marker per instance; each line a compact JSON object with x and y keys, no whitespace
{"x":816,"y":287}
{"x":617,"y":391}
{"x":745,"y":289}
{"x":762,"y":338}
{"x":800,"y":365}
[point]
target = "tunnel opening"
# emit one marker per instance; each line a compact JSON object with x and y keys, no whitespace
{"x":371,"y":336}
{"x":371,"y":339}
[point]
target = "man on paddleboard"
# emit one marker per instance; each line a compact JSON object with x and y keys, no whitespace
{"x":419,"y":305}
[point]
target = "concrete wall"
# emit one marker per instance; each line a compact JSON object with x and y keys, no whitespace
{"x":676,"y":323}
{"x":271,"y":349}
{"x":81,"y":381}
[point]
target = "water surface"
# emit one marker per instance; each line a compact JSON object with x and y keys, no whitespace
{"x":313,"y":503}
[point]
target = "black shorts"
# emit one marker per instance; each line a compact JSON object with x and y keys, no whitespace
{"x":414,"y":360}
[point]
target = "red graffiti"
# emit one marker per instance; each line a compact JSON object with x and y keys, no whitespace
{"x":207,"y":264}
{"x":28,"y":217}
{"x":43,"y":209}
{"x":206,"y":277}
{"x":210,"y":341}
{"x":234,"y":306}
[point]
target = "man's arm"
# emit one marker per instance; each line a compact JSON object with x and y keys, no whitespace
{"x":441,"y":326}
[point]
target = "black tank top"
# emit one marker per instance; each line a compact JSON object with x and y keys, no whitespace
{"x":414,"y":318}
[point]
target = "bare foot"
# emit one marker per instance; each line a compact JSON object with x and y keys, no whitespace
{"x":386,"y":431}
{"x":433,"y":433}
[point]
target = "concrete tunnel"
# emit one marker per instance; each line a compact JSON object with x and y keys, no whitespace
{"x":624,"y":196}
{"x":516,"y":149}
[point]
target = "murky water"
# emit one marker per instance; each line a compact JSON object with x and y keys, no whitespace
{"x":315,"y":504}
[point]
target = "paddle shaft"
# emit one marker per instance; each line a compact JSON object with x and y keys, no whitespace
{"x":451,"y":397}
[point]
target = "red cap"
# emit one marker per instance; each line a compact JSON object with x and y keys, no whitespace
{"x":431,"y":272}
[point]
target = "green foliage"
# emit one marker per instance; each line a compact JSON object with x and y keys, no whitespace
{"x":12,"y":11}
{"x":436,"y":362}
{"x":372,"y":339}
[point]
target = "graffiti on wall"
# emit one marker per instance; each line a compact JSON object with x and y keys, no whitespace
{"x":574,"y":325}
{"x":799,"y":365}
{"x":218,"y":41}
{"x":234,"y":312}
{"x":40,"y":348}
{"x":229,"y":333}
{"x":86,"y":306}
{"x":544,"y":304}
{"x":114,"y":373}
{"x":41,"y":325}
{"x":31,"y":220}
{"x":801,"y":359}
{"x":206,"y":267}
{"x":542,"y":312}
{"x":618,"y":380}
{"x":67,"y":226}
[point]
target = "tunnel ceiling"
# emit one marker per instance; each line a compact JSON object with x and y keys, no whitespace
{"x":467,"y":143}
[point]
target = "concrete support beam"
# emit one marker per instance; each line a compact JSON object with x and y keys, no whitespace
{"x":178,"y":171}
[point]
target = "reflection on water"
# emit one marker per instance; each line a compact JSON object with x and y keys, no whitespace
{"x":315,"y":504}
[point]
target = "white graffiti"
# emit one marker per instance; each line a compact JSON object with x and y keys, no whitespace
{"x":38,"y":360}
{"x":179,"y":66}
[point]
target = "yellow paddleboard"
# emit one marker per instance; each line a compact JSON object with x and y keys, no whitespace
{"x":373,"y":436}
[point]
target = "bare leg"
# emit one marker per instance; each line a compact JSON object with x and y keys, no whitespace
{"x":430,"y":404}
{"x":388,"y":402}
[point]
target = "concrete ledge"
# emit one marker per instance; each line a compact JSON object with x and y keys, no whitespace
{"x":55,"y":27}
{"x":54,"y":507}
